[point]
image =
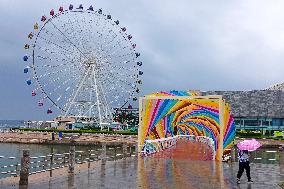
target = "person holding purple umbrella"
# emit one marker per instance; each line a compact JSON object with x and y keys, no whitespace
{"x":243,"y":155}
{"x":243,"y":165}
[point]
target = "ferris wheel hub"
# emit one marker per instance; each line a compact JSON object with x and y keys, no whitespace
{"x":90,"y":62}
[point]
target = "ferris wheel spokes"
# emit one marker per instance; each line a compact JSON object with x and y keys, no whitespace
{"x":64,"y":47}
{"x":68,"y":39}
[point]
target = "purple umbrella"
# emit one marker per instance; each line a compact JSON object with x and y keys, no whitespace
{"x":250,"y":145}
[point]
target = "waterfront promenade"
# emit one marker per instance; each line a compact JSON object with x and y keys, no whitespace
{"x":46,"y":138}
{"x":88,"y":138}
{"x":178,"y":168}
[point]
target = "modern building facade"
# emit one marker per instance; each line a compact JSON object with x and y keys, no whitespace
{"x":256,"y":109}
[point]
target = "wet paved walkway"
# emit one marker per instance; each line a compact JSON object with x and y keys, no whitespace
{"x":188,"y":150}
{"x":171,"y":169}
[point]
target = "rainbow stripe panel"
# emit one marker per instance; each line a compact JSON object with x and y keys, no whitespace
{"x":166,"y":114}
{"x":175,"y":93}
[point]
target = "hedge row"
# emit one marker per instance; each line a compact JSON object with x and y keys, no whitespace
{"x":249,"y":135}
{"x":256,"y":135}
{"x":239,"y":134}
{"x":80,"y":131}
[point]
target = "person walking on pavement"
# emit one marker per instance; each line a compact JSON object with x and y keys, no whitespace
{"x":243,"y":165}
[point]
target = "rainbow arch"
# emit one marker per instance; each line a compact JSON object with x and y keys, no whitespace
{"x":166,"y":114}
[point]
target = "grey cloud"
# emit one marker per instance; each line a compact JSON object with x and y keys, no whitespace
{"x":185,"y":44}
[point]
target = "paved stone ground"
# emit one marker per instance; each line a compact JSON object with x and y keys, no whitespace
{"x":170,"y":170}
{"x":265,"y":176}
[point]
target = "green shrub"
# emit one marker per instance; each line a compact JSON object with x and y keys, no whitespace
{"x":248,"y":135}
{"x":81,"y":131}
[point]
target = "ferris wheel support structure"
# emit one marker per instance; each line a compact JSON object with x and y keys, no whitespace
{"x":77,"y":91}
{"x":91,"y":73}
{"x":97,"y":95}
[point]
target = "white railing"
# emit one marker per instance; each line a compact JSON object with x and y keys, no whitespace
{"x":158,"y":145}
{"x":10,"y":166}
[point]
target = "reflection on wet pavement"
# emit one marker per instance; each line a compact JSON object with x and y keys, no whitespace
{"x":186,"y":167}
{"x":187,"y":150}
{"x":70,"y":180}
{"x":182,"y":167}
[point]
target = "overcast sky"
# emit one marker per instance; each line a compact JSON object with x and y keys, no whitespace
{"x":184,"y":44}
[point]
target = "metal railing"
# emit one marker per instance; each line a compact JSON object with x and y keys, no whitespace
{"x":52,"y":161}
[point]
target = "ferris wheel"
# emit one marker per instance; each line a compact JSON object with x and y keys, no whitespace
{"x":82,"y":62}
